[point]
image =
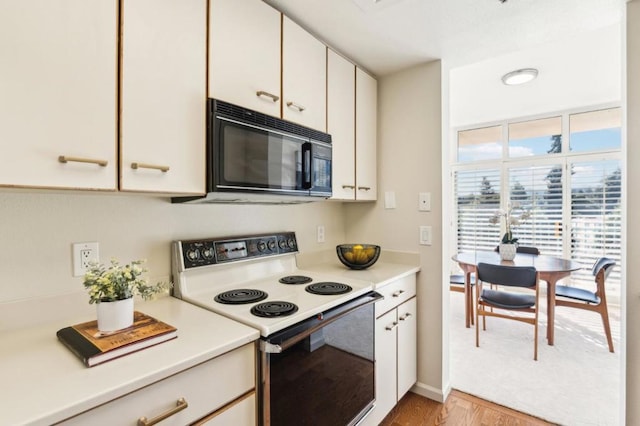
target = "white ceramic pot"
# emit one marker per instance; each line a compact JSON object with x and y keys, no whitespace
{"x":507,"y":251}
{"x":116,"y":315}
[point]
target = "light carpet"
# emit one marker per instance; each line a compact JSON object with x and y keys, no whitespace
{"x":575,"y":382}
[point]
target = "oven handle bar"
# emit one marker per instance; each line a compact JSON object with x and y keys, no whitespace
{"x":272,"y":348}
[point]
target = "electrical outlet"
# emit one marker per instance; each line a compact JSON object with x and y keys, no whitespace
{"x":83,"y":255}
{"x":320,"y":234}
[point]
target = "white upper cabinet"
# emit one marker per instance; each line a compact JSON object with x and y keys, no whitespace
{"x":163,"y":84}
{"x":58,"y":88}
{"x":244,"y":54}
{"x":304,"y":77}
{"x":341,"y":104}
{"x":366,"y":136}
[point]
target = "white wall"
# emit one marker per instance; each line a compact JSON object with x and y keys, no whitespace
{"x":632,"y":332}
{"x":577,"y":72}
{"x":38,"y":228}
{"x":409,"y":153}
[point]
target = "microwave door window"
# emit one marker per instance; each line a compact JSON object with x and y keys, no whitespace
{"x":259,"y":159}
{"x":285,"y":162}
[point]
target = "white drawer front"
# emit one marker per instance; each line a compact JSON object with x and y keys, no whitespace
{"x":395,"y":293}
{"x":205,"y":387}
{"x":240,"y":413}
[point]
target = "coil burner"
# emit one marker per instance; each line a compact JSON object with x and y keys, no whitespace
{"x":274,"y":309}
{"x":240,"y":296}
{"x":328,"y":288}
{"x":295,"y":279}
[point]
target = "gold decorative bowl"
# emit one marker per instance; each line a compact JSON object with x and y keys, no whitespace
{"x":358,"y":256}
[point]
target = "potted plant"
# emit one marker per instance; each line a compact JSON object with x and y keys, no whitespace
{"x":112,"y":289}
{"x":508,"y":244}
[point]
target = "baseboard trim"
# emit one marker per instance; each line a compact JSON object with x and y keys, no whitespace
{"x":430,"y":392}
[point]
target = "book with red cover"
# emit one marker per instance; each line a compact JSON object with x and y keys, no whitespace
{"x":94,"y":347}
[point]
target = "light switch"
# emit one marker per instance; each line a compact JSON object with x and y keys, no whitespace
{"x":425,"y":235}
{"x":424,"y":201}
{"x":389,"y":200}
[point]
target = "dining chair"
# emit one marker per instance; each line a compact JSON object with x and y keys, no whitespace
{"x":596,"y":301}
{"x":456,"y":283}
{"x":508,"y":297}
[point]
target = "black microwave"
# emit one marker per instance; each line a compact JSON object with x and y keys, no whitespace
{"x":254,"y":157}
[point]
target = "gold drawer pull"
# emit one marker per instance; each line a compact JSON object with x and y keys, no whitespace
{"x":181,"y":404}
{"x":391,"y":327}
{"x":348,"y":186}
{"x":398,"y":293}
{"x":296,"y":106}
{"x":66,"y":159}
{"x":136,"y":166}
{"x":274,"y":98}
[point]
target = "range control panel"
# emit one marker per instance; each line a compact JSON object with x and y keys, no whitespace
{"x":196,"y":253}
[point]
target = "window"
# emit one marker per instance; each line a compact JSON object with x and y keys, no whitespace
{"x":480,"y":144}
{"x":478,"y":196}
{"x":596,"y":130}
{"x":596,"y":216}
{"x":565,"y":169}
{"x":539,"y":190}
{"x":536,"y":137}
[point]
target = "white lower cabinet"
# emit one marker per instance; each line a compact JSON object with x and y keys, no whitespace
{"x":218,"y":391}
{"x":396,"y":347}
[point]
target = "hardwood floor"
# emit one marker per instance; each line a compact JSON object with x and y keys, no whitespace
{"x":460,"y":409}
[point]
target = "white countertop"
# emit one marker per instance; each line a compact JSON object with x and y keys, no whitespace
{"x":43,"y":382}
{"x":391,"y":266}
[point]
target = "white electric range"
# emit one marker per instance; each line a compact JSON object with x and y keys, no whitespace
{"x":255,"y":280}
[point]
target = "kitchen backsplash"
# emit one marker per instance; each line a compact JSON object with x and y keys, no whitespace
{"x":37,"y":230}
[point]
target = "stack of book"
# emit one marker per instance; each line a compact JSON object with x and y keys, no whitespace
{"x":94,"y":347}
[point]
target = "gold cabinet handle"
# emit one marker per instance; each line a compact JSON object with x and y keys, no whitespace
{"x":405,"y":316}
{"x":274,"y":98}
{"x":296,"y":106}
{"x":348,"y":186}
{"x":397,"y":293}
{"x":136,"y":166}
{"x":181,"y":404}
{"x":66,"y":159}
{"x":364,"y":188}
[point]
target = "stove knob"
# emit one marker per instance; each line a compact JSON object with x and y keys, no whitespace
{"x":193,"y":254}
{"x":282,"y":244}
{"x":291,"y":243}
{"x":272,"y":244}
{"x":262,"y":246}
{"x":207,"y":253}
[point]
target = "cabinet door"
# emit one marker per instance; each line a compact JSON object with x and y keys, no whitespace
{"x":366,"y":136}
{"x":341,"y":107}
{"x":58,"y":86}
{"x":163,"y":85}
{"x":407,"y":346}
{"x":244,"y":54}
{"x":386,"y":360}
{"x":304,"y":77}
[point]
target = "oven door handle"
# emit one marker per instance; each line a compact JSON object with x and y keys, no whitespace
{"x":268,"y":347}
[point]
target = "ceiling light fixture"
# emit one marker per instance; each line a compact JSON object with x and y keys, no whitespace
{"x":522,"y":76}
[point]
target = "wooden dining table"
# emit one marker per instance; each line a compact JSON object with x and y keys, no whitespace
{"x":550,"y":268}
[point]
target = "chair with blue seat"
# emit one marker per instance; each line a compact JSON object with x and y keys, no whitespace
{"x":595,"y":301}
{"x":511,"y":295}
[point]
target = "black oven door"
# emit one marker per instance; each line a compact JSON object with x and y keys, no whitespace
{"x":321,"y":371}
